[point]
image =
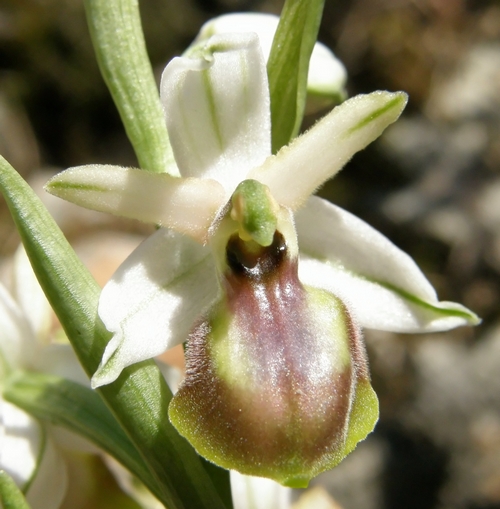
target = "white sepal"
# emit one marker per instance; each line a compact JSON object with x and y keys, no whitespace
{"x":327,"y":75}
{"x":152,"y":301}
{"x":301,"y":167}
{"x":217,"y":109}
{"x":346,"y":256}
{"x":185,"y":205}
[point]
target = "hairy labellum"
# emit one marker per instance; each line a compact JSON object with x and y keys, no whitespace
{"x":277,"y":382}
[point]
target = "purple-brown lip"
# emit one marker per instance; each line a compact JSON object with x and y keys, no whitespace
{"x":276,"y":401}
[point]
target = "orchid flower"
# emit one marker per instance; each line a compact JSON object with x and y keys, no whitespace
{"x":27,"y":450}
{"x":269,"y":285}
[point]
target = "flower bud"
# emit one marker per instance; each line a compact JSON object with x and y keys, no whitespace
{"x":277,"y":382}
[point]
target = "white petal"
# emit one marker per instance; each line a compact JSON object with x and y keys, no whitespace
{"x":30,"y":296}
{"x":311,"y":159}
{"x":28,"y":455}
{"x":258,"y":493}
{"x":186,"y":205}
{"x":383,"y":285}
{"x":327,"y":75}
{"x":17,"y":342}
{"x":217,"y":109}
{"x":153,"y":299}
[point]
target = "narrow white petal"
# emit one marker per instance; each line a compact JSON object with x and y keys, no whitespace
{"x":217,"y":109}
{"x":185,"y":205}
{"x":327,"y":75}
{"x":343,"y":254}
{"x":17,"y":342}
{"x":258,"y":493}
{"x":30,"y":296}
{"x":153,"y":299}
{"x":301,"y":167}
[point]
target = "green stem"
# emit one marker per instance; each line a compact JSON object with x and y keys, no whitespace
{"x":288,"y":66}
{"x":118,"y":39}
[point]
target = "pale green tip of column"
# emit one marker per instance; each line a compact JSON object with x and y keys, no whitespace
{"x":255,"y":210}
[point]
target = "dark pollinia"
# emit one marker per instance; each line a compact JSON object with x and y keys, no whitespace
{"x":256,"y":261}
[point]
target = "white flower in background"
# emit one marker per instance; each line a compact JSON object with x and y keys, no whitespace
{"x":261,"y":278}
{"x":258,"y":493}
{"x":27,"y":451}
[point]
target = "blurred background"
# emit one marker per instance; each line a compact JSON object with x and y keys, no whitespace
{"x":431,"y":184}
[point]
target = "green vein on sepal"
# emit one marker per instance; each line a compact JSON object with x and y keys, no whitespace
{"x":212,"y":108}
{"x":376,"y":114}
{"x":64,"y":185}
{"x":471,"y":317}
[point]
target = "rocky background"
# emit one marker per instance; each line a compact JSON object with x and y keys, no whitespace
{"x":431,"y":184}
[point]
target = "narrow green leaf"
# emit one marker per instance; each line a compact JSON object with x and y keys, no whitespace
{"x":115,"y":28}
{"x":79,"y":409}
{"x":140,"y":397}
{"x":288,"y":65}
{"x":11,"y":496}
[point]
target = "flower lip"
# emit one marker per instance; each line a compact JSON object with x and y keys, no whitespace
{"x":275,"y":369}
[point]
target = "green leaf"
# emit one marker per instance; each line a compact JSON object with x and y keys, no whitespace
{"x":140,"y":397}
{"x":115,"y":28}
{"x":288,"y":65}
{"x":11,"y":496}
{"x":79,"y":409}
